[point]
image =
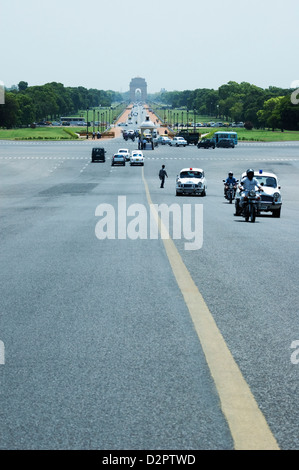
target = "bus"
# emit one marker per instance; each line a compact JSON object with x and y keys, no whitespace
{"x":222,"y":135}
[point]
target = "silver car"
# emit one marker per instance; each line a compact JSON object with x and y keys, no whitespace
{"x":118,"y":159}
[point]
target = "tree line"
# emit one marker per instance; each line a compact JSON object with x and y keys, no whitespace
{"x":244,"y":102}
{"x":27,"y":104}
{"x":255,"y":106}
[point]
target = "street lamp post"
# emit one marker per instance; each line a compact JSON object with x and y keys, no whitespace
{"x":87,"y":122}
{"x":194,"y":120}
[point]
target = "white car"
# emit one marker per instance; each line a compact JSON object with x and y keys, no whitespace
{"x":136,"y":158}
{"x":162,"y":139}
{"x":191,"y":181}
{"x":271,"y":200}
{"x":126,"y":153}
{"x":178,"y":142}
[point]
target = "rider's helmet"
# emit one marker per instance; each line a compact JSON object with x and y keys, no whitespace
{"x":250,"y":173}
{"x":230,"y":174}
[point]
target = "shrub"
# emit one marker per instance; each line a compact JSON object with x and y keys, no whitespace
{"x":248,"y":125}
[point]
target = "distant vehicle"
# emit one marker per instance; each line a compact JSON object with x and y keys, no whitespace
{"x":190,"y":137}
{"x":126,"y":153}
{"x":225,"y":143}
{"x":73,"y":120}
{"x":163,"y":140}
{"x":206,"y":144}
{"x":98,"y":154}
{"x":118,"y":159}
{"x":178,"y":142}
{"x":225,"y":135}
{"x":191,"y":181}
{"x":136,"y":158}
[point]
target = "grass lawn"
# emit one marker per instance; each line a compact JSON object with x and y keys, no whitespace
{"x":267,"y":136}
{"x":257,"y":135}
{"x":39,"y":133}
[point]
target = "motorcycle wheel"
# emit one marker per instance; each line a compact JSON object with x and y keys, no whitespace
{"x":247,"y":214}
{"x":252,"y":213}
{"x":230,"y":198}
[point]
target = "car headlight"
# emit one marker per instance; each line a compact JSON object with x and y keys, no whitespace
{"x":252,"y":193}
{"x":276,"y":195}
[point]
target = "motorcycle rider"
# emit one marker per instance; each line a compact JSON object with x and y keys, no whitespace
{"x":229,"y":180}
{"x":248,"y":183}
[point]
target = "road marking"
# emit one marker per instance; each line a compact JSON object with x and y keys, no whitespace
{"x":247,"y":424}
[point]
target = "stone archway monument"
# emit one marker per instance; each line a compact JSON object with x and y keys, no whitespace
{"x":138,"y":85}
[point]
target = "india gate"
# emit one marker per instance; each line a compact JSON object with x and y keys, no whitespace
{"x":138,"y":89}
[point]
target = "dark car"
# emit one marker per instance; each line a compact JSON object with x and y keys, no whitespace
{"x":225,"y":143}
{"x":206,"y":144}
{"x":98,"y":154}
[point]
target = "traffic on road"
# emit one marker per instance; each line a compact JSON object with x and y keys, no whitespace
{"x":132,"y":318}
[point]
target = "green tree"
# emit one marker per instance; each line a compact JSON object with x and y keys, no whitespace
{"x":9,"y":111}
{"x":270,"y":115}
{"x":22,"y":86}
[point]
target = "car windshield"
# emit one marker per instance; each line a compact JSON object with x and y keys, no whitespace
{"x":191,"y":174}
{"x":267,"y":181}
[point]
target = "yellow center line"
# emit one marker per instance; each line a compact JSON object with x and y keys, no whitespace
{"x":247,"y":424}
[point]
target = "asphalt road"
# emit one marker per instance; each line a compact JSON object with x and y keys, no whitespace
{"x":100,"y":348}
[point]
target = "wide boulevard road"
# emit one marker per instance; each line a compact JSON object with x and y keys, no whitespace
{"x":114,"y":341}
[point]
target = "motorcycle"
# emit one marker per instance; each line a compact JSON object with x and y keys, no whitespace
{"x":230,"y":191}
{"x":250,"y":206}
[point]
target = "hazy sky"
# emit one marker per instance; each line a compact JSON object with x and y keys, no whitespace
{"x":176,"y":45}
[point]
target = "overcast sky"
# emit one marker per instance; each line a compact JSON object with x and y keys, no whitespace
{"x":176,"y":45}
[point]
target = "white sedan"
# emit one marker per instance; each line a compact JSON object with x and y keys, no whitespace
{"x":178,"y":142}
{"x":270,"y":197}
{"x":136,"y":158}
{"x":126,"y":153}
{"x":191,"y":181}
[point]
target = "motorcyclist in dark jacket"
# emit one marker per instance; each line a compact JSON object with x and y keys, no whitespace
{"x":229,"y":180}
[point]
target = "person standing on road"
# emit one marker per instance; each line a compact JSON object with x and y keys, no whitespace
{"x":162,"y":175}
